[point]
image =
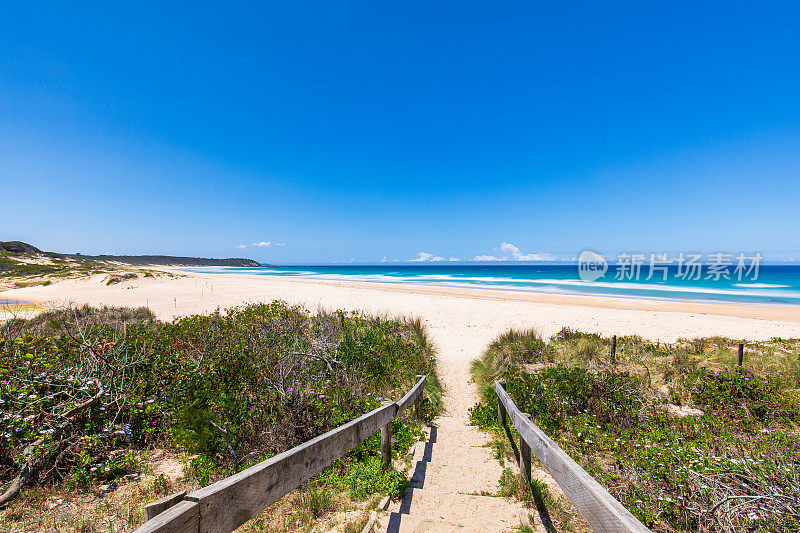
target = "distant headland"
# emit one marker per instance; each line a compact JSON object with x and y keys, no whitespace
{"x":19,"y":247}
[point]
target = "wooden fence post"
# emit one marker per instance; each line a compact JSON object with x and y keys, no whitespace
{"x":416,"y":403}
{"x":614,"y":350}
{"x":386,"y":443}
{"x":501,"y":410}
{"x":525,"y":457}
{"x":741,"y":353}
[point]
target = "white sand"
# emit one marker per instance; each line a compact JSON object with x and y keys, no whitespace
{"x":461,"y":321}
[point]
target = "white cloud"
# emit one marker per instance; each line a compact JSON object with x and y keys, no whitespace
{"x":267,"y":244}
{"x":425,"y":257}
{"x":240,"y":246}
{"x":509,"y":252}
{"x":455,"y":259}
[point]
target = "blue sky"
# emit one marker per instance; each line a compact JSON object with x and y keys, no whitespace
{"x":364,"y":130}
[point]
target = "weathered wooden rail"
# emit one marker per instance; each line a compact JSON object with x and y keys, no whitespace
{"x":600,"y":509}
{"x":227,"y":504}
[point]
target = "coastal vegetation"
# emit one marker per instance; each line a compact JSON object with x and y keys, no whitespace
{"x":677,"y":432}
{"x":22,"y":264}
{"x":89,"y":396}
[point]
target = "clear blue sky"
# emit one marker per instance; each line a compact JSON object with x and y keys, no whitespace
{"x":384,"y":129}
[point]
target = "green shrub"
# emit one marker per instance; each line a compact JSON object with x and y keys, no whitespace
{"x":264,"y":376}
{"x":203,"y":469}
{"x":739,"y":394}
{"x":484,"y":415}
{"x":367,"y":477}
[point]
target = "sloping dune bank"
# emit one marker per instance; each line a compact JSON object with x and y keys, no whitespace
{"x":461,"y":321}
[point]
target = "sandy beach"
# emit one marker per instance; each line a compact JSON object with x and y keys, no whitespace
{"x":461,"y":321}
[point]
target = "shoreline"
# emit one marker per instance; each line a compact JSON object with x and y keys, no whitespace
{"x":761,"y":311}
{"x":557,"y":289}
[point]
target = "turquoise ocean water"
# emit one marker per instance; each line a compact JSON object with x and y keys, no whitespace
{"x":775,"y":284}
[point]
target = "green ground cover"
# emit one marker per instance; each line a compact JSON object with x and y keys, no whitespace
{"x":681,"y":436}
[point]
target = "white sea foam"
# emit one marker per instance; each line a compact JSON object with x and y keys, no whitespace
{"x":670,"y":288}
{"x":758,"y":290}
{"x":760,"y":285}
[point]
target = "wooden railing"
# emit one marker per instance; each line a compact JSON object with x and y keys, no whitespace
{"x":601,"y":511}
{"x":227,"y":504}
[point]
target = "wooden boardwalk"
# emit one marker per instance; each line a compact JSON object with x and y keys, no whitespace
{"x":454,"y":485}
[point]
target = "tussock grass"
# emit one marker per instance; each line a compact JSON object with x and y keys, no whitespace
{"x":590,"y":352}
{"x":521,"y":346}
{"x":507,"y":351}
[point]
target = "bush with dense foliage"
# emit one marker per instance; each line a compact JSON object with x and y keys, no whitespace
{"x":81,"y":389}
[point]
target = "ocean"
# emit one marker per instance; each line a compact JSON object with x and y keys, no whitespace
{"x":774,"y":284}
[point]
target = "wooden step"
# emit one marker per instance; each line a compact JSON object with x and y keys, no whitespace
{"x":445,"y":453}
{"x":464,"y":478}
{"x":404,"y":523}
{"x":461,"y":508}
{"x":456,"y":433}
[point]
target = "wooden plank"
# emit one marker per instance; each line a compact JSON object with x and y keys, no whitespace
{"x":501,"y":409}
{"x":153,"y":509}
{"x":601,"y":511}
{"x":230,"y":502}
{"x":183,"y":517}
{"x":411,"y":395}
